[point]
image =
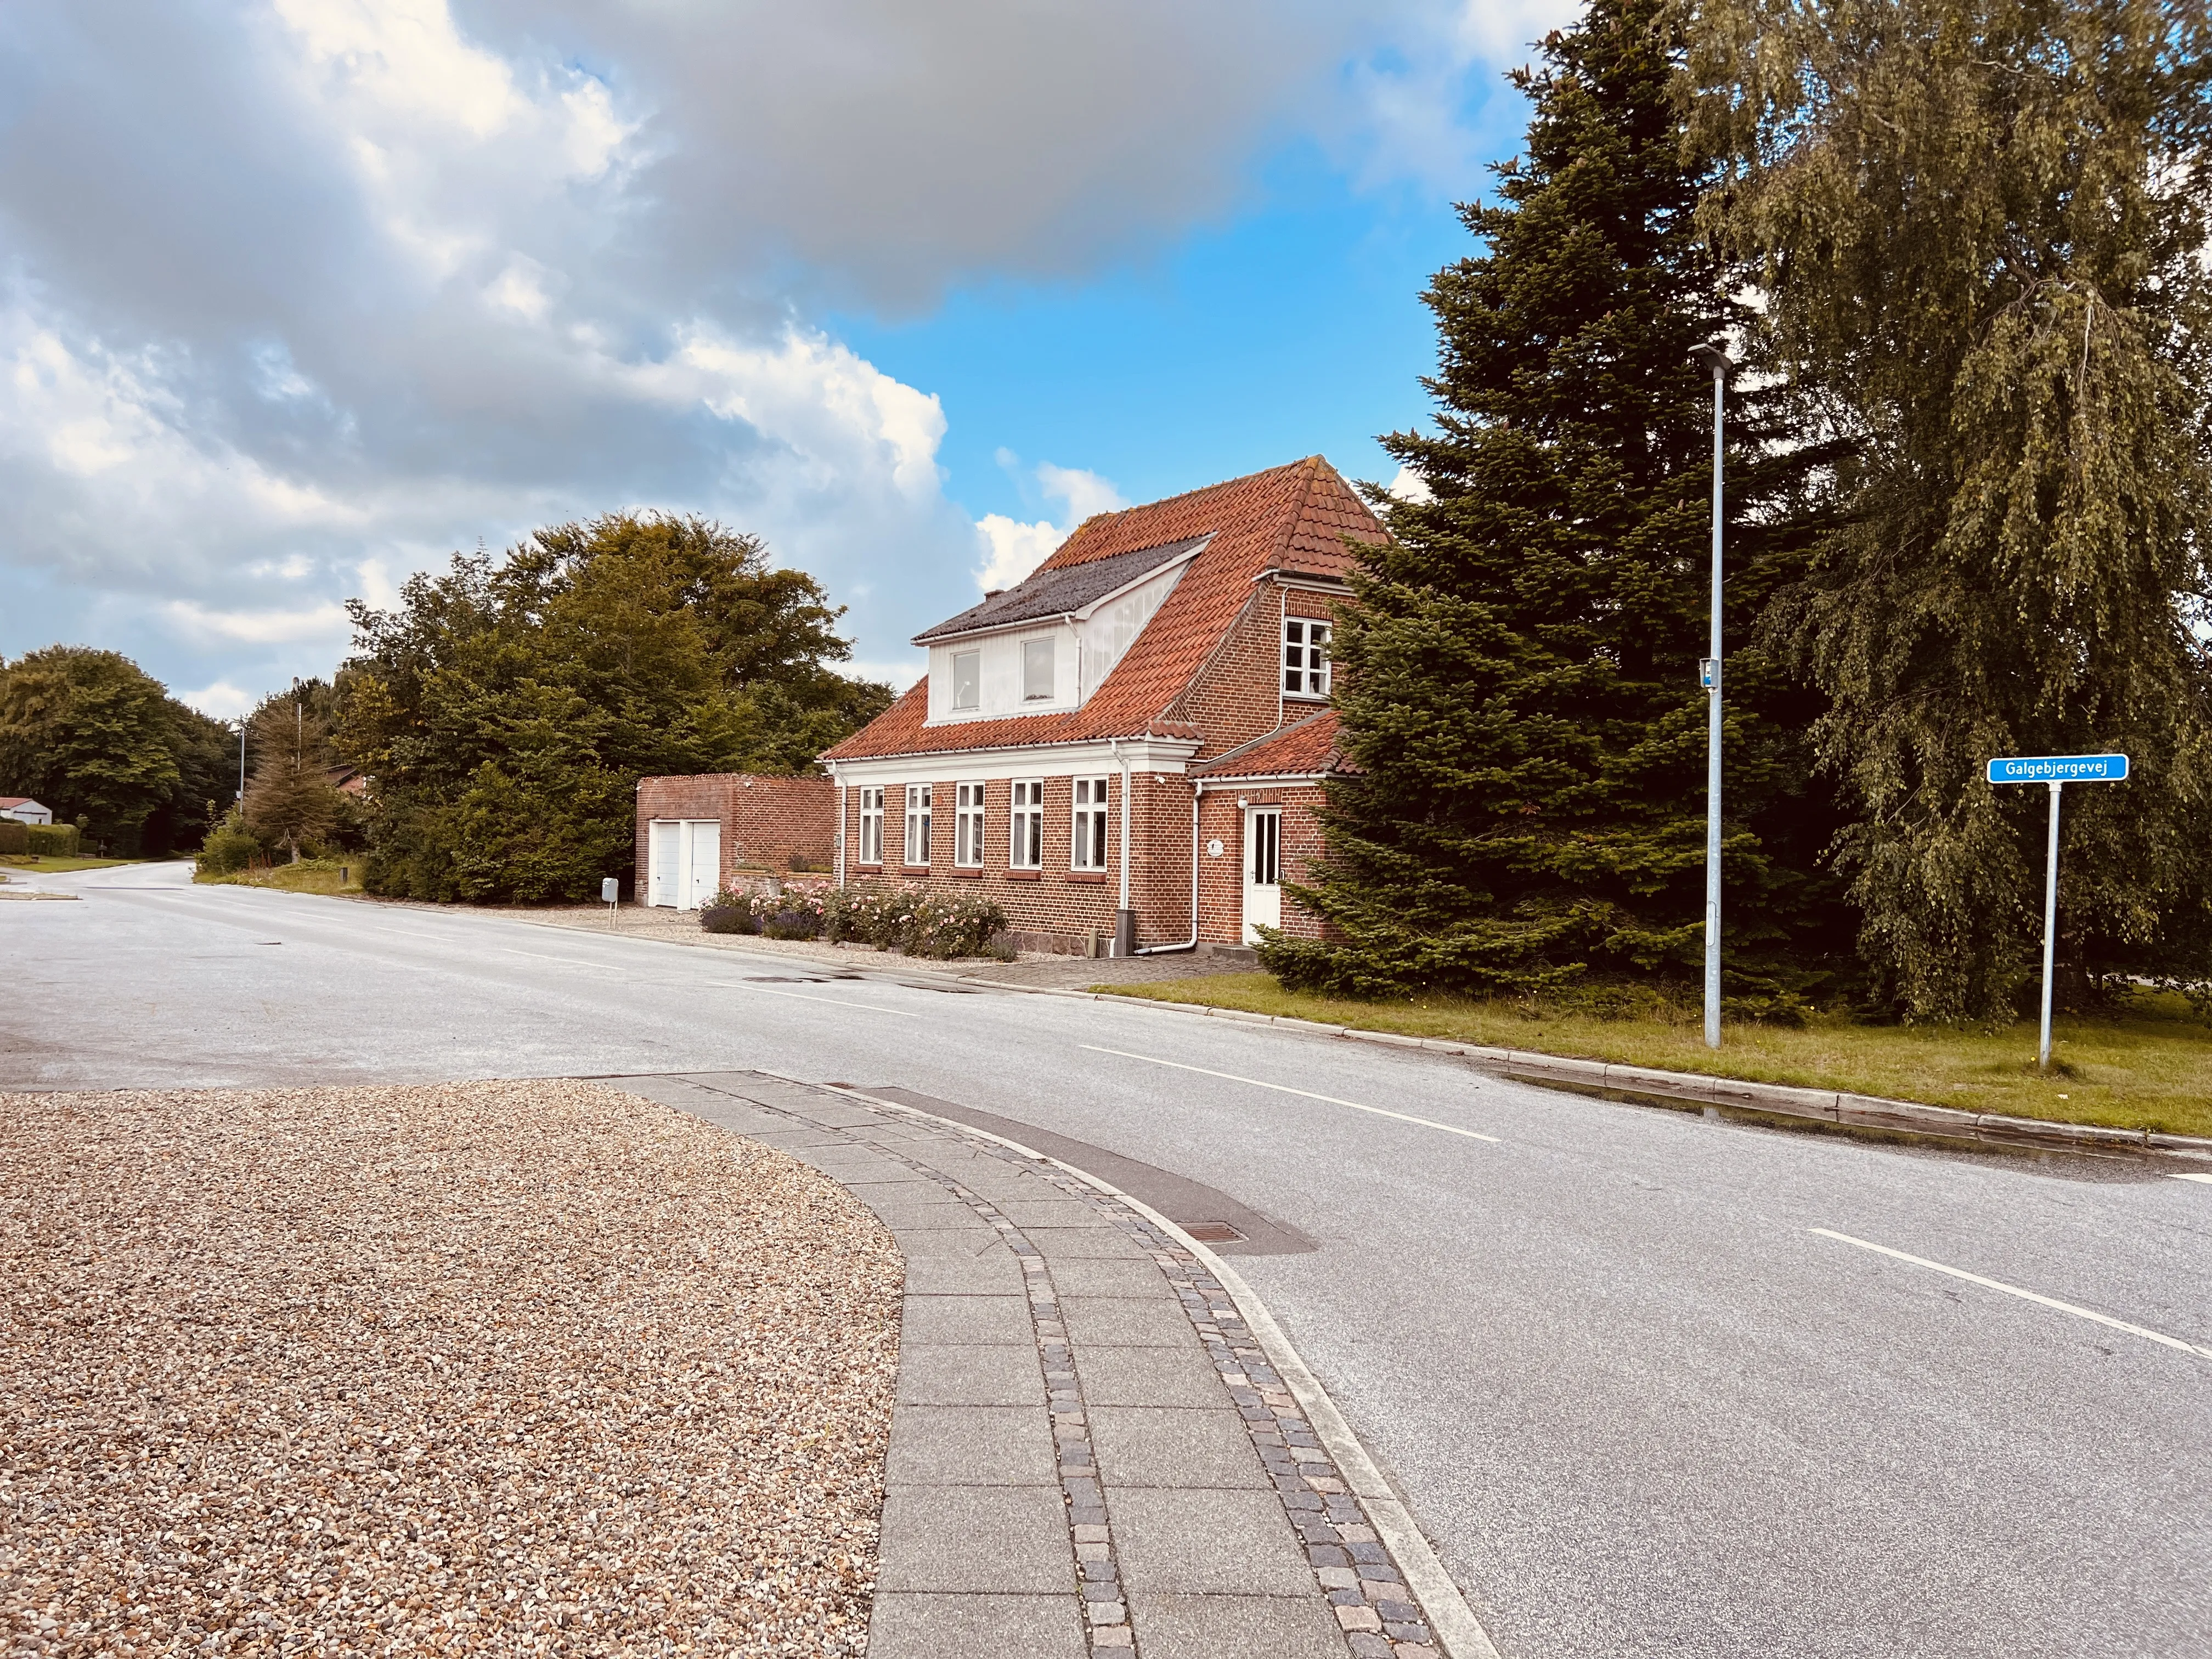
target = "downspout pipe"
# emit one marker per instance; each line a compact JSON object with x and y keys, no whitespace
{"x":1198,"y":788}
{"x":1125,"y":920}
{"x":840,"y":832}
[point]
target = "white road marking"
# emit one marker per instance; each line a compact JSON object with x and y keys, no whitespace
{"x":2014,"y":1290}
{"x":1308,"y":1094}
{"x":801,"y":996}
{"x":2193,"y":1176}
{"x":566,"y":962}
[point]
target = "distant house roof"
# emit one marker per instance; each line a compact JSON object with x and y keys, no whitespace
{"x":1306,"y":749}
{"x":1293,"y":520}
{"x":1060,"y":589}
{"x":7,"y":801}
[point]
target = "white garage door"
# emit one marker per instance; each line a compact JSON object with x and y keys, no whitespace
{"x":685,"y":860}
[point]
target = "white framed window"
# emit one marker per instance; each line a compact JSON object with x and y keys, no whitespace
{"x":968,"y":826}
{"x":1089,"y":849}
{"x":1038,"y":671}
{"x":1025,"y":837}
{"x":917,"y":824}
{"x":1305,"y":657}
{"x":871,"y":823}
{"x":966,"y":680}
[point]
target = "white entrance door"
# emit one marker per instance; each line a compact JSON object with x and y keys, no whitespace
{"x":1263,"y":870}
{"x":703,"y":865}
{"x":664,"y":861}
{"x":684,"y":857}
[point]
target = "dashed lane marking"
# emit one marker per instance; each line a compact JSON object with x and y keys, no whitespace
{"x":2192,"y":1176}
{"x":801,"y":996}
{"x":2015,"y":1290}
{"x":1305,"y":1094}
{"x":566,"y":962}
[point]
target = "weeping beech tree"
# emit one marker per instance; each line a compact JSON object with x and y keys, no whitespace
{"x":1980,"y":230}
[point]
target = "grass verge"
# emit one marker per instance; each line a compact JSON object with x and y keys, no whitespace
{"x":45,"y":863}
{"x":2149,"y":1068}
{"x":308,"y":876}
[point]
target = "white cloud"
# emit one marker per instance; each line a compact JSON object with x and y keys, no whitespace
{"x":1410,"y":486}
{"x":299,"y":297}
{"x":317,"y":622}
{"x":222,"y":701}
{"x":1012,"y":549}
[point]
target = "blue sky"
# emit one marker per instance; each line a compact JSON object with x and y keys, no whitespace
{"x":298,"y":296}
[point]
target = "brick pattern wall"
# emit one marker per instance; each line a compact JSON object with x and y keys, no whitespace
{"x":1221,"y":879}
{"x":768,"y":823}
{"x":1054,"y":908}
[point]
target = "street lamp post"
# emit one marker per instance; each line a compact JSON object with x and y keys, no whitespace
{"x":1709,"y":673}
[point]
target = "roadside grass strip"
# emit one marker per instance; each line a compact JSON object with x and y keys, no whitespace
{"x":801,"y":996}
{"x":2015,"y":1290}
{"x":1303,"y":1094}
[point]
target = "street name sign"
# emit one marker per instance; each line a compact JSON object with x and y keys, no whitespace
{"x":2057,"y":771}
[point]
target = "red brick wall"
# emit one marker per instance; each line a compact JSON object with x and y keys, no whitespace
{"x":1221,"y":880}
{"x":1054,"y":909}
{"x":768,"y":823}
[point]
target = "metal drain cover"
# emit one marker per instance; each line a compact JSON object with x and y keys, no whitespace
{"x":1213,"y":1232}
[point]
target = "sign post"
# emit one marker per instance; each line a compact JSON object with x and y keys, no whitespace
{"x":2057,"y":771}
{"x":610,"y":895}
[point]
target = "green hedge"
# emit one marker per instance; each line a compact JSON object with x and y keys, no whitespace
{"x":54,"y":841}
{"x":14,"y":836}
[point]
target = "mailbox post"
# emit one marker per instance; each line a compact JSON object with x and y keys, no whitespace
{"x":2057,"y":771}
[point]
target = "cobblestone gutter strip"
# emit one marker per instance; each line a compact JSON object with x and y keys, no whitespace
{"x":1692,"y":1088}
{"x":1391,"y":1597}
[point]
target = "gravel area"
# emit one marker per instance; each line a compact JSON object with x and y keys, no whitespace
{"x":510,"y":1368}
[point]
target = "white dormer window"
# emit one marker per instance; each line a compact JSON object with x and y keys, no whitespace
{"x":1305,"y":657}
{"x":1037,"y":685}
{"x":966,"y":680}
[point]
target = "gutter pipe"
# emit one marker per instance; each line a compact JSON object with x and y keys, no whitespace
{"x":1198,"y":788}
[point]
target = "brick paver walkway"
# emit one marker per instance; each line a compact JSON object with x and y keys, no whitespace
{"x":1090,"y":1453}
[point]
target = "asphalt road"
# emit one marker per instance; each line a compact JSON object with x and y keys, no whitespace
{"x":1629,"y":1368}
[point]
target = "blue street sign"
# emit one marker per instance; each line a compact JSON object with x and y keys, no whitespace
{"x":2059,"y":769}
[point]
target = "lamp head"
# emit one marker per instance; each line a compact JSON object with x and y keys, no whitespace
{"x":1714,"y":359}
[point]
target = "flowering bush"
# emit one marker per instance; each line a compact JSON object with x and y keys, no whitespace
{"x":772,"y":916}
{"x":914,"y":921}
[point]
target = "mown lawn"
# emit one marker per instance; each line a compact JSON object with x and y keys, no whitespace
{"x":46,"y":864}
{"x":2149,"y":1069}
{"x":308,"y":876}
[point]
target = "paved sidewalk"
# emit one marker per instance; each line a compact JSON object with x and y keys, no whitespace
{"x":1090,"y":1452}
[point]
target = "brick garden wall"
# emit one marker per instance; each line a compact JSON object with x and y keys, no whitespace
{"x":768,"y":823}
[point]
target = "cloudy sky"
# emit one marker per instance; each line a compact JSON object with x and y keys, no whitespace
{"x":297,"y":297}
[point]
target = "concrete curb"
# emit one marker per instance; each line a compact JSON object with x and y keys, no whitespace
{"x":1695,"y":1089}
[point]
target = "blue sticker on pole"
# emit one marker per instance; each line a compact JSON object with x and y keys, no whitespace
{"x":2059,"y":769}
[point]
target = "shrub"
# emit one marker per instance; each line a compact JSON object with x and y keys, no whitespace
{"x":230,"y":846}
{"x":727,"y":913}
{"x":14,"y":836}
{"x":55,"y":840}
{"x":912,"y":920}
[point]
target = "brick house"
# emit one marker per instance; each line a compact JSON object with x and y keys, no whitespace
{"x":1128,"y":746}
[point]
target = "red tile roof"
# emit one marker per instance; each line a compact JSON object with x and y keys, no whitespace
{"x":1293,"y":519}
{"x":1301,"y":751}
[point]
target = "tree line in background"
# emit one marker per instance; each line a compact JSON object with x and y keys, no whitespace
{"x":507,"y":708}
{"x":485,"y":741}
{"x":93,"y":737}
{"x":1959,"y":246}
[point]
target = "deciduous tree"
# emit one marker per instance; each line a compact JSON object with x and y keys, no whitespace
{"x":1980,"y":228}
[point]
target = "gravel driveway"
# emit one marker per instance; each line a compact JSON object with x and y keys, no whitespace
{"x":504,"y":1368}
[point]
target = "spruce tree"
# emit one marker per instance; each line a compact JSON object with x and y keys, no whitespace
{"x":1981,"y":227}
{"x":1520,"y":704}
